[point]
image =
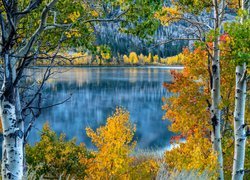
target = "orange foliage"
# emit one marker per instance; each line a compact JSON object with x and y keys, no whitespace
{"x":188,"y":109}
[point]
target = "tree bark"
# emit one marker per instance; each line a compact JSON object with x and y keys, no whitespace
{"x":239,"y":118}
{"x":239,"y":123}
{"x":215,"y":111}
{"x":12,"y":152}
{"x":12,"y":162}
{"x":215,"y":90}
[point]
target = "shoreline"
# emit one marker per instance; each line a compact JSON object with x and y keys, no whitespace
{"x":114,"y":66}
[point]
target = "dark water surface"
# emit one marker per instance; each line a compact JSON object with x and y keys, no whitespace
{"x":97,"y":91}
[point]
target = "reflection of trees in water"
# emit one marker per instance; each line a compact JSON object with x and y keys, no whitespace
{"x":95,"y":99}
{"x":84,"y":75}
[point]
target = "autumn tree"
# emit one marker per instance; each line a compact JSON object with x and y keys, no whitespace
{"x":115,"y":144}
{"x":189,"y":113}
{"x":35,"y":29}
{"x":207,"y":19}
{"x":239,"y":33}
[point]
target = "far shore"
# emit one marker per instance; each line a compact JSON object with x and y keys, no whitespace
{"x":116,"y":65}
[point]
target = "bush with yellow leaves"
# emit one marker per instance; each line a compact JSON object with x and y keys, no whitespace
{"x":173,"y":60}
{"x":187,"y":156}
{"x":53,"y":156}
{"x":156,"y":58}
{"x":132,"y":59}
{"x":126,"y":59}
{"x":148,"y":59}
{"x":115,"y":143}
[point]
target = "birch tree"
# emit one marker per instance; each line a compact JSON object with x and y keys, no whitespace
{"x":36,"y":30}
{"x":193,"y":13}
{"x":220,"y":101}
{"x":240,"y":34}
{"x":218,"y":11}
{"x":17,"y":52}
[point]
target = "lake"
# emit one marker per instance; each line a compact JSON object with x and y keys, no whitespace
{"x":97,"y":91}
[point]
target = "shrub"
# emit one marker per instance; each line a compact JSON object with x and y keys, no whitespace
{"x":53,"y":156}
{"x":115,"y":144}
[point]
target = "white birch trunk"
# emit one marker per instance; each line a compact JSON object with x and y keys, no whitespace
{"x":239,"y":118}
{"x":12,"y":162}
{"x":12,"y":148}
{"x":215,"y":90}
{"x":239,"y":123}
{"x":215,"y":111}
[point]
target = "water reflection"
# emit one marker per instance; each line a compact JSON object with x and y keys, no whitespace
{"x":96,"y":94}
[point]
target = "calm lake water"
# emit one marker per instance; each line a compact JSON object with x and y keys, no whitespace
{"x":97,"y":91}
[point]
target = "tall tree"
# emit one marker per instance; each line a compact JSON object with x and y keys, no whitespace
{"x":194,"y":13}
{"x":236,"y":46}
{"x":241,"y":55}
{"x":218,"y":11}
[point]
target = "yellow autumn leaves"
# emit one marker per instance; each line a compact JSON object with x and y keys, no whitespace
{"x":131,"y":59}
{"x":195,"y":154}
{"x":173,"y":60}
{"x":55,"y":157}
{"x":134,"y":59}
{"x":115,"y":144}
{"x":189,"y":112}
{"x":168,"y":14}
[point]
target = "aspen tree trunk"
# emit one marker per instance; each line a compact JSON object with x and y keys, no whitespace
{"x":239,"y":118}
{"x":12,"y":157}
{"x":216,"y":112}
{"x":215,"y":91}
{"x":239,"y":123}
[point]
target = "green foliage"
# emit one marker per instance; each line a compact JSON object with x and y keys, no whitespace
{"x":193,"y":6}
{"x":239,"y":40}
{"x":53,"y":156}
{"x":72,"y":23}
{"x":139,"y":19}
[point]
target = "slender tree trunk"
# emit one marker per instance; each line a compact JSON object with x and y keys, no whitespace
{"x":215,"y":111}
{"x":239,"y":123}
{"x":215,"y":91}
{"x":239,"y":118}
{"x":12,"y":148}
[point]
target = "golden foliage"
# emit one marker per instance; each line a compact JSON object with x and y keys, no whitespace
{"x":168,"y":15}
{"x":194,"y":154}
{"x":173,"y":60}
{"x":73,"y":33}
{"x":132,"y":59}
{"x":189,"y":113}
{"x":74,"y":16}
{"x":150,"y":59}
{"x":156,"y":59}
{"x":94,"y":13}
{"x":126,"y":59}
{"x":114,"y":142}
